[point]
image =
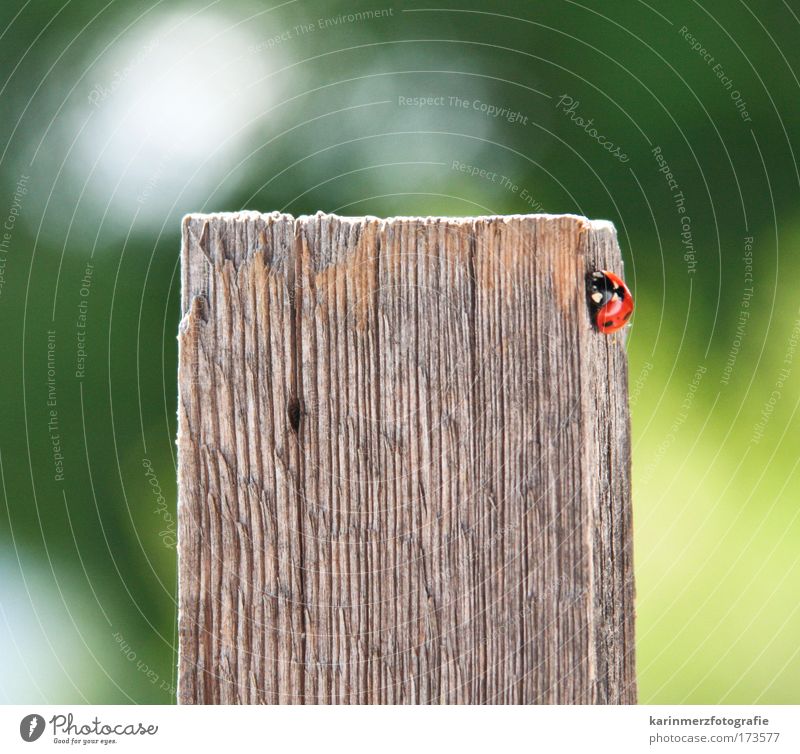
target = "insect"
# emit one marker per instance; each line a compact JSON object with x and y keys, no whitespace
{"x":612,"y":303}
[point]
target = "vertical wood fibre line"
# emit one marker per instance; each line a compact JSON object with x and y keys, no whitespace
{"x":404,"y":463}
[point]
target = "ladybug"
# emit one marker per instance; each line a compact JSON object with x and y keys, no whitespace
{"x":611,"y":301}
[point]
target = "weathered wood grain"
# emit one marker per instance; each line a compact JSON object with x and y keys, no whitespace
{"x":404,"y":463}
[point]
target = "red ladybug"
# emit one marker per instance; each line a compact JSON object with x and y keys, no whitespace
{"x":612,"y":303}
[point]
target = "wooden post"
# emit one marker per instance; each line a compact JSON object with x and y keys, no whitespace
{"x":404,"y":463}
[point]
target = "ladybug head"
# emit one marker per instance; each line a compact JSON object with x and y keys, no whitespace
{"x":601,"y":288}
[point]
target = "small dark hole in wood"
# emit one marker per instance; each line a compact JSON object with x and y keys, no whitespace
{"x":294,"y":414}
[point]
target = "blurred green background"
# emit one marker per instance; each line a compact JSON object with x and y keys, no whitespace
{"x":119,"y":117}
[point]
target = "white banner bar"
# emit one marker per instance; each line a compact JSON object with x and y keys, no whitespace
{"x":384,"y":730}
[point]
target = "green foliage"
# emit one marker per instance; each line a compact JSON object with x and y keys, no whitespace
{"x":121,"y":117}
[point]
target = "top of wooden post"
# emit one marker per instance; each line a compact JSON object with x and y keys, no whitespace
{"x":242,"y":243}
